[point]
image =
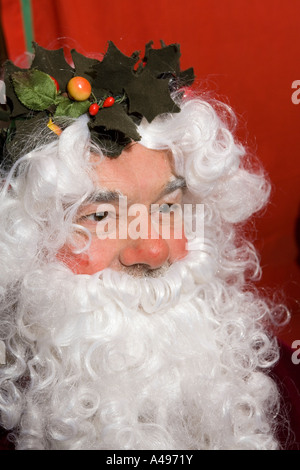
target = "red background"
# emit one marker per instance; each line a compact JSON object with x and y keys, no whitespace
{"x":246,"y":52}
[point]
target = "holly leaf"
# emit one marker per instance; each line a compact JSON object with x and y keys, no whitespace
{"x":150,"y":96}
{"x":35,"y":89}
{"x":165,"y":63}
{"x":16,"y":107}
{"x":115,"y":118}
{"x":186,"y":77}
{"x":72,"y":109}
{"x":115,"y":70}
{"x":53,"y":63}
{"x":166,"y":59}
{"x":84,"y":66}
{"x":4,"y":115}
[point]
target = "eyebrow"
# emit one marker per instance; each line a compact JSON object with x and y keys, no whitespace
{"x":107,"y":195}
{"x":178,"y":182}
{"x":103,"y":195}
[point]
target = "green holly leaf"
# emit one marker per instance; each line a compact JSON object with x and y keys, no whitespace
{"x":84,"y":66}
{"x":115,"y":70}
{"x":35,"y":89}
{"x":72,"y":109}
{"x":165,"y":62}
{"x":186,"y":77}
{"x":16,"y":107}
{"x":53,"y":63}
{"x":150,"y":96}
{"x":4,"y":115}
{"x":116,"y":119}
{"x":162,"y":60}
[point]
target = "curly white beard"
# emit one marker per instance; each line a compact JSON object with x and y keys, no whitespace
{"x":121,"y":362}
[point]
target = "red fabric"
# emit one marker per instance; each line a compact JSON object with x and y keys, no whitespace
{"x":246,"y":53}
{"x":12,"y":24}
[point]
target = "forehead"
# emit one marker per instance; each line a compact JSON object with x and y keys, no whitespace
{"x":137,"y":172}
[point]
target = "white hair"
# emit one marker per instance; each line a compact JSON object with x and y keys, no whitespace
{"x":112,"y":362}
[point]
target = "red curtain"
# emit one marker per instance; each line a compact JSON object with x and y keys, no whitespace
{"x":246,"y":52}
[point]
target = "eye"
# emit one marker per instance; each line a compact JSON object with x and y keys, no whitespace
{"x":168,"y":207}
{"x":165,"y":208}
{"x":96,"y":216}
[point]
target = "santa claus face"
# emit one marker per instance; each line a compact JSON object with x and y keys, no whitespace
{"x":117,"y":361}
{"x":142,"y":183}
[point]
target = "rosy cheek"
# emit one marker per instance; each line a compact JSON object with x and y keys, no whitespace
{"x":96,"y":259}
{"x":78,"y":263}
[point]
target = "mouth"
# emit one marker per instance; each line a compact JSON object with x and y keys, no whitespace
{"x":143,"y":271}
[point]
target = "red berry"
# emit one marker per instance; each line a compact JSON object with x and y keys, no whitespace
{"x":108,"y":102}
{"x":93,"y":109}
{"x":79,"y":88}
{"x":56,"y":83}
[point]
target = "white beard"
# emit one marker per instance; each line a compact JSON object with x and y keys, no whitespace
{"x":154,"y":363}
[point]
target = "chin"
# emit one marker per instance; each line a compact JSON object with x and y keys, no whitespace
{"x":178,"y":360}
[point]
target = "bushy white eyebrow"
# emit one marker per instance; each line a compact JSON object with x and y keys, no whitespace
{"x":178,"y":182}
{"x":104,"y":195}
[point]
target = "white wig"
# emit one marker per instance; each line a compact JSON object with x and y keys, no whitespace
{"x":205,"y":305}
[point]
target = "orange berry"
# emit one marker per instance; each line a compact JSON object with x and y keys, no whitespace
{"x":79,"y":88}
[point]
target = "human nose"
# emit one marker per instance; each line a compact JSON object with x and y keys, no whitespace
{"x":151,"y":252}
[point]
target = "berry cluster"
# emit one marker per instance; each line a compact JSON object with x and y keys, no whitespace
{"x":80,"y":89}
